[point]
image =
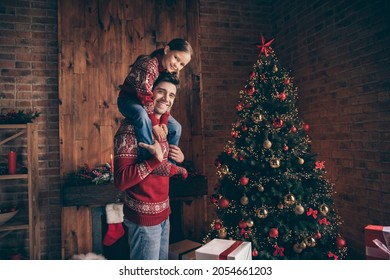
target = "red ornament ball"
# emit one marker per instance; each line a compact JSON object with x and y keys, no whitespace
{"x":255,"y":253}
{"x":293,"y":129}
{"x":244,"y":181}
{"x":340,"y":242}
{"x":282,"y":96}
{"x":285,"y":148}
{"x":305,"y":127}
{"x":317,"y":235}
{"x":224,"y":202}
{"x":278,"y":123}
{"x":273,"y":233}
{"x":286,"y":81}
{"x":217,"y":226}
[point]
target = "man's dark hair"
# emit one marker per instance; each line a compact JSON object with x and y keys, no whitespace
{"x":168,"y":77}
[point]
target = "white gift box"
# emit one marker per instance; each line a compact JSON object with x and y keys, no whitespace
{"x":223,"y":249}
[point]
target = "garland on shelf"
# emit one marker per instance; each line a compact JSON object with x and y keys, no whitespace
{"x":19,"y":117}
{"x":86,"y":176}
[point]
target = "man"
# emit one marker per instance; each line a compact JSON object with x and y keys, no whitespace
{"x":146,"y":182}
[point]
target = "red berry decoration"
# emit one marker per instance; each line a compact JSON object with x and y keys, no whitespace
{"x":234,"y":134}
{"x":224,"y":202}
{"x":252,"y":75}
{"x":340,"y":242}
{"x":244,"y":181}
{"x":250,"y":90}
{"x":239,"y":107}
{"x":273,"y":233}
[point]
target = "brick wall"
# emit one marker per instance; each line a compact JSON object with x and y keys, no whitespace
{"x":29,"y":82}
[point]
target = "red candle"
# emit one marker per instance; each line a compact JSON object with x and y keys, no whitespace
{"x":112,"y":164}
{"x":12,"y":162}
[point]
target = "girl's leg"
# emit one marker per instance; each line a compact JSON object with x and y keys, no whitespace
{"x":135,"y":112}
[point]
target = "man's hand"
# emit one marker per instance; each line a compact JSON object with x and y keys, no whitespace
{"x":159,"y":133}
{"x":154,"y":149}
{"x":175,"y":154}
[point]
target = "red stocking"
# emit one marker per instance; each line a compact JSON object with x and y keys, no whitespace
{"x":115,"y":231}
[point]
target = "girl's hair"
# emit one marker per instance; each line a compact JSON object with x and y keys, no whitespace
{"x":177,"y":44}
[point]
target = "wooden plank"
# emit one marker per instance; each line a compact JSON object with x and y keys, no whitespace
{"x":76,"y":232}
{"x":92,"y":122}
{"x":107,"y":143}
{"x":80,"y":59}
{"x":66,"y":82}
{"x":81,"y":195}
{"x":67,"y":162}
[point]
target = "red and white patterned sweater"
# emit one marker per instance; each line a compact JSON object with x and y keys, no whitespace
{"x":139,"y":83}
{"x":146,"y":183}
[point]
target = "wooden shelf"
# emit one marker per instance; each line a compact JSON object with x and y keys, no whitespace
{"x":32,"y":224}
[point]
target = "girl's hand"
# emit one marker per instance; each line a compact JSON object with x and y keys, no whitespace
{"x":154,"y":149}
{"x":159,"y":133}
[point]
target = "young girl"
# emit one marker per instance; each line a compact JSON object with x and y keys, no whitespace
{"x":135,"y":100}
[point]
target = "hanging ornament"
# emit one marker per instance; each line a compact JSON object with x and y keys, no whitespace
{"x":305,"y":127}
{"x":244,"y":200}
{"x":285,"y":148}
{"x":244,"y":128}
{"x":239,"y":107}
{"x":255,"y":253}
{"x":250,"y":90}
{"x":275,"y":69}
{"x":340,"y":242}
{"x":224,"y":169}
{"x":317,"y":235}
{"x":289,"y":199}
{"x":293,"y":129}
{"x":299,"y":210}
{"x":257,"y":117}
{"x":273,"y":233}
{"x":282,"y":96}
{"x":297,"y":249}
{"x":324,"y":209}
{"x":278,"y":123}
{"x":302,"y":245}
{"x":280,"y":206}
{"x":310,"y":241}
{"x":244,"y":180}
{"x":224,"y":203}
{"x":301,"y":161}
{"x":262,"y":213}
{"x":287,"y":81}
{"x":217,"y":226}
{"x":274,"y":163}
{"x":250,"y":223}
{"x":222,"y":233}
{"x":267,"y":144}
{"x":260,"y":188}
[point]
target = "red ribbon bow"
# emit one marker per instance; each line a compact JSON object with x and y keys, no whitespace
{"x":312,"y":212}
{"x":323,"y":221}
{"x":331,"y":255}
{"x":278,"y":251}
{"x":264,"y":47}
{"x":320,"y":164}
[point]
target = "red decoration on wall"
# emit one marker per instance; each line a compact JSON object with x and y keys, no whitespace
{"x":12,"y":162}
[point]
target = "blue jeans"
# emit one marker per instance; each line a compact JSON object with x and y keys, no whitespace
{"x":148,"y":242}
{"x":135,"y":112}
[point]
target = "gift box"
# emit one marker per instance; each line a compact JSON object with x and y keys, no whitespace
{"x":181,"y":250}
{"x":223,"y":249}
{"x":377,"y":240}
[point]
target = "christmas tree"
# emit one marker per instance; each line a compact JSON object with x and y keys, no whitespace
{"x":271,"y":190}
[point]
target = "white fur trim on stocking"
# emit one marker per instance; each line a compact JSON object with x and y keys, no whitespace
{"x":114,"y":213}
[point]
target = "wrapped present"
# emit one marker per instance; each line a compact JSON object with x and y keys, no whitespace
{"x":223,"y":249}
{"x":178,"y":250}
{"x":377,"y":242}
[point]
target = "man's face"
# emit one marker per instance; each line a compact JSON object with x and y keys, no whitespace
{"x":163,"y":96}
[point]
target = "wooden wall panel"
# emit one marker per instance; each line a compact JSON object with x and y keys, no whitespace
{"x":99,"y":40}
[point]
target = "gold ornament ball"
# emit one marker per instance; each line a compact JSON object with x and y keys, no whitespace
{"x":297,"y":249}
{"x":280,"y":206}
{"x":244,"y":200}
{"x":257,"y":117}
{"x":302,"y":245}
{"x":262,"y":213}
{"x":299,"y":210}
{"x":310,"y":241}
{"x":275,"y":69}
{"x":267,"y":144}
{"x":260,"y":188}
{"x":289,"y":199}
{"x":222,"y":233}
{"x":250,"y":223}
{"x":324,"y":209}
{"x":274,"y":163}
{"x":301,"y":161}
{"x":224,"y":169}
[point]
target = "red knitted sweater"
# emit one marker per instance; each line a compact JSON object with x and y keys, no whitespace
{"x":146,"y":183}
{"x":139,"y":83}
